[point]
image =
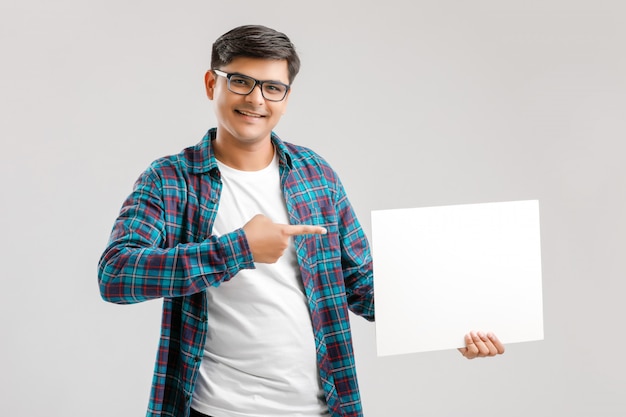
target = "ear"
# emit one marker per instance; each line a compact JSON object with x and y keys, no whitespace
{"x":209,"y":83}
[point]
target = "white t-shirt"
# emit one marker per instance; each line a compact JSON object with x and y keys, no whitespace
{"x":260,"y":357}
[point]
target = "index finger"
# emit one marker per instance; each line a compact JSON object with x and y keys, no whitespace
{"x":303,"y":229}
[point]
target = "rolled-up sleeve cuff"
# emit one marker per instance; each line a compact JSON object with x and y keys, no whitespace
{"x":237,"y":253}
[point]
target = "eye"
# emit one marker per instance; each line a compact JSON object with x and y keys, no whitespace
{"x":274,"y":88}
{"x":241,"y":81}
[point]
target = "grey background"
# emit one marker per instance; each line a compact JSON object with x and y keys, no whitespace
{"x":415,"y":103}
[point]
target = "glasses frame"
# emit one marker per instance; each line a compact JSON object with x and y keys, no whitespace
{"x":260,"y":83}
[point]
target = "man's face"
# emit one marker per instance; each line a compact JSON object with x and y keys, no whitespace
{"x":247,"y":119}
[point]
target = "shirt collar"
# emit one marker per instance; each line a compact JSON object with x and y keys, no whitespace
{"x":201,"y":158}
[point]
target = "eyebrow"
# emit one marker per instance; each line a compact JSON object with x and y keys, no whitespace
{"x":250,"y":76}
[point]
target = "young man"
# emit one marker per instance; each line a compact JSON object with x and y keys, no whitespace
{"x":255,"y":250}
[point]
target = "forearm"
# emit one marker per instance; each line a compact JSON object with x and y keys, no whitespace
{"x":356,"y":262}
{"x":358,"y":278}
{"x":130,"y":273}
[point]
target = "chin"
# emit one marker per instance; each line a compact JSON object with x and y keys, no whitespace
{"x":252,"y":137}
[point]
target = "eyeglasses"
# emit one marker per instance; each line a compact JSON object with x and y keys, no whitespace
{"x":244,"y":85}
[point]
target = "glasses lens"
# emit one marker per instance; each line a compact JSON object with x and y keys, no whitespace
{"x":240,"y":84}
{"x":274,"y":91}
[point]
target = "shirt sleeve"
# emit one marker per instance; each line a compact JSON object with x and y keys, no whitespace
{"x":138,"y":265}
{"x":356,"y":260}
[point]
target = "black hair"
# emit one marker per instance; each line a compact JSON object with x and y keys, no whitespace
{"x":255,"y":41}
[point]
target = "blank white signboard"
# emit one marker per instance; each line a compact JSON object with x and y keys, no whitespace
{"x":441,"y":272}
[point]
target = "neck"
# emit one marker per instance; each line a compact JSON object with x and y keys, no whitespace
{"x":244,"y":157}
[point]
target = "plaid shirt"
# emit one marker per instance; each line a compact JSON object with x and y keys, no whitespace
{"x":161,"y":247}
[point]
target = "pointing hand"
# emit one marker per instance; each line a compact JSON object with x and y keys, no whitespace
{"x":268,"y":240}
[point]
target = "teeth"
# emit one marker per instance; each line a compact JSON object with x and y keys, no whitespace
{"x":248,"y":114}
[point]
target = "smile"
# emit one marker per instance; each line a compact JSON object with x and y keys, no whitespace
{"x":245,"y":113}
